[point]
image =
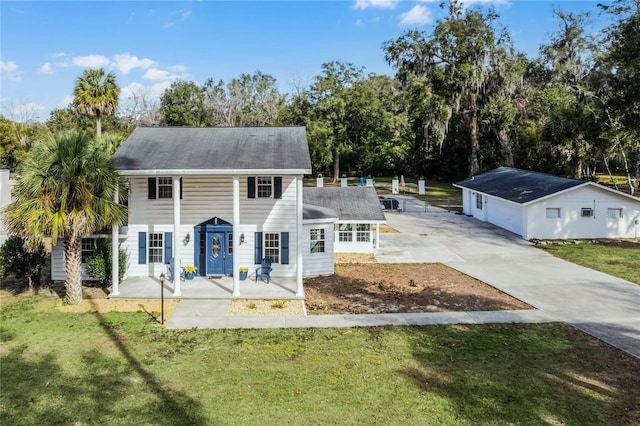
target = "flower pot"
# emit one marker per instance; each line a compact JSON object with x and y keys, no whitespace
{"x":189,"y":275}
{"x":243,"y":276}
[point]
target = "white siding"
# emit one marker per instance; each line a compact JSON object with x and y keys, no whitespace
{"x":5,"y":199}
{"x":58,"y":267}
{"x":205,"y":197}
{"x":354,"y":246}
{"x":318,"y":263}
{"x":572,"y":225}
{"x":504,"y":214}
{"x":58,"y":271}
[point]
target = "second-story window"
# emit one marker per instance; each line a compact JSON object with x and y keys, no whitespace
{"x":265,"y":187}
{"x":165,"y":187}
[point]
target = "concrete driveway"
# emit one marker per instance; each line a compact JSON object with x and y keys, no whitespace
{"x":596,"y":303}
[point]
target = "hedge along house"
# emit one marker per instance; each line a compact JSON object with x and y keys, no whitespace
{"x":541,"y":206}
{"x":216,"y":198}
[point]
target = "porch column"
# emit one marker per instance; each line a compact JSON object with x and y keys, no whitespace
{"x":176,"y":236}
{"x":115,"y":252}
{"x":299,"y":247}
{"x":236,"y":236}
{"x":377,"y":235}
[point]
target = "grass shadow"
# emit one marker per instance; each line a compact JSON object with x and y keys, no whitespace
{"x":523,"y":374}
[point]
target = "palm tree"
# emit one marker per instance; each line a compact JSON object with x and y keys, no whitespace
{"x":96,"y":94}
{"x":66,"y":191}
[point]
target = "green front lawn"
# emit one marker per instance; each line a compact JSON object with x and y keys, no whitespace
{"x":618,"y":258}
{"x":118,"y":368}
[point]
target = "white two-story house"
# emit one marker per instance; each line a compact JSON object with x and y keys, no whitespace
{"x":216,"y":198}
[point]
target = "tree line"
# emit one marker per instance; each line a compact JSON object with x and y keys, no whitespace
{"x":462,"y":101}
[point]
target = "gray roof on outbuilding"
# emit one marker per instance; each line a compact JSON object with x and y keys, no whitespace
{"x":206,"y":149}
{"x":519,"y":186}
{"x":351,"y":203}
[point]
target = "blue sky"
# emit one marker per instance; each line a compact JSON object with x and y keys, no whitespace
{"x":45,"y":45}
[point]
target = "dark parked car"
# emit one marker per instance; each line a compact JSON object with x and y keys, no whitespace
{"x":389,"y":203}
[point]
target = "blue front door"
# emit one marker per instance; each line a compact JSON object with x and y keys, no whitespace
{"x":219,"y":250}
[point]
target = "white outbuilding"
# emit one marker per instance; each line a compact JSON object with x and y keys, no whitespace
{"x":542,"y":206}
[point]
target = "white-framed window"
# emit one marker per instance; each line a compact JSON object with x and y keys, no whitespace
{"x":156,"y":247}
{"x":586,"y":212}
{"x":264,"y":186}
{"x":363,"y":232}
{"x":553,"y":213}
{"x":89,"y":247}
{"x":345,"y":232}
{"x":165,"y":187}
{"x":272,"y":246}
{"x":614,"y":213}
{"x":316,"y":240}
{"x":479,"y":201}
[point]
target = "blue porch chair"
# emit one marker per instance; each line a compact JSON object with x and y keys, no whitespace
{"x":171,"y":271}
{"x":264,"y":270}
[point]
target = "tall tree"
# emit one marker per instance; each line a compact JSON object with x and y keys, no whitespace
{"x":65,"y":190}
{"x":16,"y":139}
{"x":622,"y":84}
{"x":182,"y":104}
{"x":96,"y":94}
{"x":329,"y":94}
{"x":572,"y":123}
{"x":249,"y":100}
{"x":456,"y":62}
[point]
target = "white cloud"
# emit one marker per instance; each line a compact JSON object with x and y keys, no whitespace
{"x":156,"y":74}
{"x":59,"y":55}
{"x":163,"y":75}
{"x":158,"y":89}
{"x":46,"y":68}
{"x":25,"y":112}
{"x":380,"y":4}
{"x":178,"y":68}
{"x":11,"y":70}
{"x":125,"y":62}
{"x":91,"y":61}
{"x":417,"y":16}
{"x":183,"y":15}
{"x":66,"y":101}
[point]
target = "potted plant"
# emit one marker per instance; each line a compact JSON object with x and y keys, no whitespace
{"x":243,"y":273}
{"x":190,"y":272}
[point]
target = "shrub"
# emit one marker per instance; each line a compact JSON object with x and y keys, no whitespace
{"x":98,"y":266}
{"x":14,"y":259}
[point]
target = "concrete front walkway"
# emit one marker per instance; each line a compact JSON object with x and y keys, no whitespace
{"x":215,"y":314}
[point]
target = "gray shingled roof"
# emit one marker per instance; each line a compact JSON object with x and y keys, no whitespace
{"x":353,"y":203}
{"x":310,"y":212}
{"x":519,"y":186}
{"x":214,"y":149}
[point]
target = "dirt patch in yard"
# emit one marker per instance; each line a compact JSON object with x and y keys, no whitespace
{"x":391,"y":288}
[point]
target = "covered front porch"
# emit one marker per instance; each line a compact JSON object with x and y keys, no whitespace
{"x":208,"y":288}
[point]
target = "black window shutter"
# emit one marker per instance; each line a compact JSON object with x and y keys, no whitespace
{"x":284,"y":248}
{"x":142,"y":248}
{"x":181,"y":188}
{"x":277,"y":187}
{"x":257,"y":246}
{"x":168,"y":246}
{"x":251,"y":187}
{"x":152,"y":188}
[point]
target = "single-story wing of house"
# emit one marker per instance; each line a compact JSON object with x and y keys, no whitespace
{"x":358,"y":213}
{"x":225,"y":198}
{"x":542,"y":206}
